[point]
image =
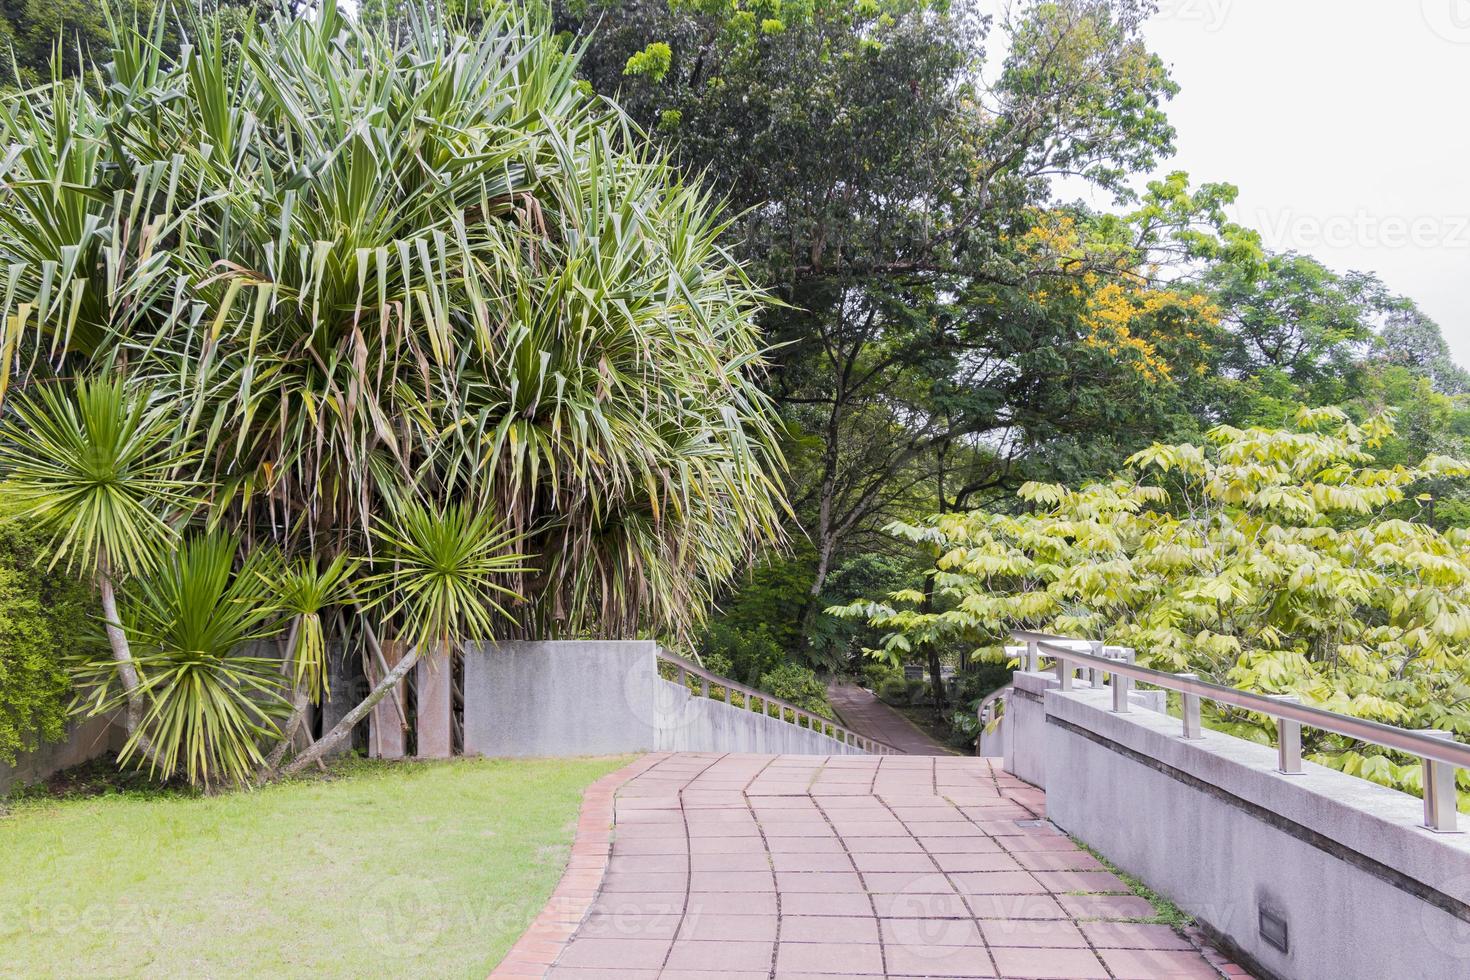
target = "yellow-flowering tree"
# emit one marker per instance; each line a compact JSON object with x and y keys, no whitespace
{"x":1279,"y":561}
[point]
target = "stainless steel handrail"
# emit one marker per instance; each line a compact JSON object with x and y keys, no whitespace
{"x":814,"y":722}
{"x":1440,"y":753}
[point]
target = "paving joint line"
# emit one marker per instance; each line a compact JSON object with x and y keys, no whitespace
{"x":1053,"y":895}
{"x":770,"y":861}
{"x":964,"y":899}
{"x":872,"y":903}
{"x":688,"y":858}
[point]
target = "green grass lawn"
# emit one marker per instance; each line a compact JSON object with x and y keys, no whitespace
{"x":408,"y":869}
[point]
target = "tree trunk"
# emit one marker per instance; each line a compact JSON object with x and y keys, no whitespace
{"x":344,"y":727}
{"x":812,"y":608}
{"x":299,"y":701}
{"x":376,"y":649}
{"x":936,"y":678}
{"x":936,"y":681}
{"x":127,"y":672}
{"x":122,"y":653}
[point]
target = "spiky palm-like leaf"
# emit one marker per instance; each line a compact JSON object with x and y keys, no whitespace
{"x":354,"y":257}
{"x":444,"y":573}
{"x":305,"y":588}
{"x":371,"y":267}
{"x":97,"y":468}
{"x":213,"y":692}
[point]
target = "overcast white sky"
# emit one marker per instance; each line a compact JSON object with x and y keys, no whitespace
{"x":1343,"y":123}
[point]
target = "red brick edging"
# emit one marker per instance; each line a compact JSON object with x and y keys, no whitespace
{"x":549,"y":933}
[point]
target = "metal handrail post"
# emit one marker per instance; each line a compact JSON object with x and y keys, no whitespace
{"x":1189,"y":710}
{"x":1441,"y":798}
{"x":1288,"y":740}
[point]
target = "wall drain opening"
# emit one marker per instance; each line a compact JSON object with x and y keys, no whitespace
{"x":1273,"y":930}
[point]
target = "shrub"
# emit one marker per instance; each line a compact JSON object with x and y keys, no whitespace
{"x":43,"y":625}
{"x":875,"y":675}
{"x":981,"y":679}
{"x":974,"y":685}
{"x":720,"y":664}
{"x":798,"y":685}
{"x":744,"y":654}
{"x":894,"y":690}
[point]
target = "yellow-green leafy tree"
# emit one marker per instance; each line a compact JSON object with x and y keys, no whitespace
{"x":1274,"y":560}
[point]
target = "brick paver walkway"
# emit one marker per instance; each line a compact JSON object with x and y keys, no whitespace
{"x":861,"y":711}
{"x":744,"y":866}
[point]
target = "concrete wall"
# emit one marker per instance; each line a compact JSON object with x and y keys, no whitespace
{"x":87,"y":739}
{"x":1025,"y":722}
{"x":992,"y":744}
{"x":582,"y":697}
{"x":559,"y":698}
{"x":1364,"y":890}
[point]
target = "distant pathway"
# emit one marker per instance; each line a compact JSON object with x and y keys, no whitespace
{"x":866,"y":715}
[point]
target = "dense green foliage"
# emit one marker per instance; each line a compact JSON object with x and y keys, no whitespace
{"x":955,"y":326}
{"x":755,"y":660}
{"x":73,"y":30}
{"x":43,"y":39}
{"x":44,"y":622}
{"x":425,"y":306}
{"x":1272,"y":560}
{"x":904,"y":178}
{"x":799,"y":685}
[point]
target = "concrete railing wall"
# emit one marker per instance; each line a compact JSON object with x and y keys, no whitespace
{"x":695,"y":724}
{"x":1341,"y":865}
{"x":585,"y":697}
{"x":559,"y":698}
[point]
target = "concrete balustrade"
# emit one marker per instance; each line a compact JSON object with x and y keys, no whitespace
{"x":595,"y":697}
{"x":1305,"y":873}
{"x":690,"y":723}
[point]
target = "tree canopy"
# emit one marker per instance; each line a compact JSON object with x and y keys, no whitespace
{"x":1283,"y":561}
{"x":694,"y":299}
{"x":415,"y":299}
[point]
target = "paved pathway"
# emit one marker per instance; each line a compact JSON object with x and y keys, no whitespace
{"x":864,"y":713}
{"x":750,"y":867}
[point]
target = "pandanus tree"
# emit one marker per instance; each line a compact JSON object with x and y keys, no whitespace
{"x":412,"y":314}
